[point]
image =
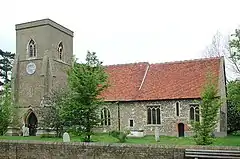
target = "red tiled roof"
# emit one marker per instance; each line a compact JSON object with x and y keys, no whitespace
{"x":174,"y":80}
{"x":124,"y":81}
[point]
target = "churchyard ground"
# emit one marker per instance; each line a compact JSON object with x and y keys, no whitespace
{"x":165,"y":140}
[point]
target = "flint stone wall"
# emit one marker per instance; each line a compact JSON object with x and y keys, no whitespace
{"x":60,"y":150}
{"x":137,"y":111}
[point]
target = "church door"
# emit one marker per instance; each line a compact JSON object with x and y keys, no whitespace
{"x":32,"y":124}
{"x":180,"y":130}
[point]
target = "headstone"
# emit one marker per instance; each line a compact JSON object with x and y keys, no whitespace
{"x":66,"y":137}
{"x":25,"y":130}
{"x":157,"y":134}
{"x":104,"y":130}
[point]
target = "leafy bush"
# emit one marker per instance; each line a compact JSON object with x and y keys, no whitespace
{"x":236,"y":133}
{"x":233,"y":107}
{"x":6,"y":109}
{"x":121,"y":136}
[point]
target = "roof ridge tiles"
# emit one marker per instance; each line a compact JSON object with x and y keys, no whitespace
{"x":189,"y":60}
{"x":168,"y":62}
{"x":126,"y":64}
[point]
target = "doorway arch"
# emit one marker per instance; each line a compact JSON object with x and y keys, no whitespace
{"x":180,"y":130}
{"x":31,"y":123}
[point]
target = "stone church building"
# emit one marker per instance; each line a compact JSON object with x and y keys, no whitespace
{"x":141,"y":96}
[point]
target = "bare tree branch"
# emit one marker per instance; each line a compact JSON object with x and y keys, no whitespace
{"x":220,"y":46}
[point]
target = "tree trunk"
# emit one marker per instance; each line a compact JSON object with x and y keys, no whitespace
{"x":88,"y":138}
{"x":88,"y":127}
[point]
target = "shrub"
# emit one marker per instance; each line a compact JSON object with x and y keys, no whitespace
{"x":121,"y":136}
{"x":236,"y":133}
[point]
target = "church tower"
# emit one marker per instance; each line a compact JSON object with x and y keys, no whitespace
{"x":44,"y":51}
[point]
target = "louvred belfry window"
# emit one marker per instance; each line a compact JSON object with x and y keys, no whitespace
{"x":32,"y":52}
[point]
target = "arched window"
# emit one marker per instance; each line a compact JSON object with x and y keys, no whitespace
{"x":149,"y":115}
{"x":105,"y":117}
{"x":32,"y":50}
{"x":60,"y":50}
{"x":194,"y":113}
{"x":154,"y":115}
{"x":158,"y":116}
{"x":197,"y":114}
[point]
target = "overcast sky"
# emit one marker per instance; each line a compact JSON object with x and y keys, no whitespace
{"x":126,"y":31}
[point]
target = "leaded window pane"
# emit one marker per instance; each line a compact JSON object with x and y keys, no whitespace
{"x":105,"y":117}
{"x":102,"y":118}
{"x":149,"y":116}
{"x":197,"y":114}
{"x":153,"y":116}
{"x":191,"y":113}
{"x":109,"y":121}
{"x":158,"y":116}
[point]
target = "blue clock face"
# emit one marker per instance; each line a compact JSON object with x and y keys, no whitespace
{"x":31,"y":68}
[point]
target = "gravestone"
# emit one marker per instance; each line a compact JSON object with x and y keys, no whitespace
{"x":66,"y":137}
{"x":25,"y":130}
{"x":157,"y":134}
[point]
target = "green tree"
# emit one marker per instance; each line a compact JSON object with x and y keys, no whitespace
{"x":6,"y":60}
{"x":6,"y":108}
{"x":233,"y":106}
{"x":235,"y":50}
{"x":209,"y":107}
{"x":52,"y":104}
{"x":86,"y":81}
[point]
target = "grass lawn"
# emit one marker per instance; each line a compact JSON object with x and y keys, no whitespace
{"x":105,"y":138}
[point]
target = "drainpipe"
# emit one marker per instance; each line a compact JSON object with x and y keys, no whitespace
{"x":118,"y":115}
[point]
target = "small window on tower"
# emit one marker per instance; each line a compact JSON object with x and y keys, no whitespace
{"x":60,"y":50}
